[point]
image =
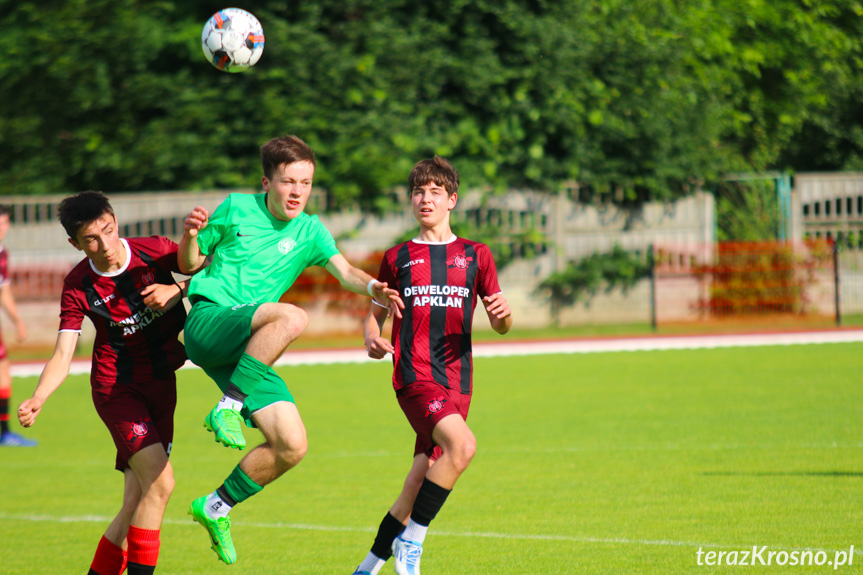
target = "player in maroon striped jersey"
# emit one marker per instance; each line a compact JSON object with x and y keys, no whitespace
{"x":8,"y":438}
{"x":440,"y":278}
{"x":127,"y":289}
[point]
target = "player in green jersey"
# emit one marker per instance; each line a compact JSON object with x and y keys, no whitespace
{"x":244,"y":258}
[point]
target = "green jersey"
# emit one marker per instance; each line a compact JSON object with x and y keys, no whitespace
{"x":255,"y":257}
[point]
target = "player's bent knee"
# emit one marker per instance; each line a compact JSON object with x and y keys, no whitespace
{"x":470,"y":451}
{"x":167,"y":484}
{"x":292,"y":448}
{"x":286,"y":315}
{"x":299,"y":454}
{"x":162,"y":487}
{"x":291,"y":456}
{"x":291,"y":320}
{"x":462,"y":453}
{"x":299,"y":320}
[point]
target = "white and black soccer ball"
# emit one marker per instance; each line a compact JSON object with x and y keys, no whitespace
{"x":233,"y":40}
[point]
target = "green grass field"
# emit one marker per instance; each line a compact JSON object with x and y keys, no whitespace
{"x":599,"y":463}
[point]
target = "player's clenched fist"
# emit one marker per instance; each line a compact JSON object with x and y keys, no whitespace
{"x":161,"y":297}
{"x":496,"y":306}
{"x":196,"y":220}
{"x":28,"y":411}
{"x":378,"y":347}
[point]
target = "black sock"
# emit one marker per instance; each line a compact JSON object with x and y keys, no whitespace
{"x":138,"y":569}
{"x":4,"y":426}
{"x":429,"y":501}
{"x":234,"y":393}
{"x":390,"y":529}
{"x":226,"y":497}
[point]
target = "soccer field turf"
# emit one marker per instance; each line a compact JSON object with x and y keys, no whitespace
{"x":599,"y":463}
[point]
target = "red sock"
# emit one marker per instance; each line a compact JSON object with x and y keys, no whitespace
{"x":143,"y":545}
{"x":109,"y":559}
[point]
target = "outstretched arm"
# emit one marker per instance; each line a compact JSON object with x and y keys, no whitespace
{"x":499,"y":314}
{"x":358,"y":281}
{"x":189,"y":255}
{"x":52,"y":377}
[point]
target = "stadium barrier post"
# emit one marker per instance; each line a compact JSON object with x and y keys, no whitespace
{"x":836,"y":283}
{"x":651,"y":262}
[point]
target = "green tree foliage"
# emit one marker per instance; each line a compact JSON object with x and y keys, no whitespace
{"x":633,"y":100}
{"x":747,"y":211}
{"x":830,"y":135}
{"x":582,"y":279}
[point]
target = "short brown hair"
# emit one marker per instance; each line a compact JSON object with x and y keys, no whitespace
{"x":434,"y":170}
{"x":77,"y":211}
{"x":284,"y":150}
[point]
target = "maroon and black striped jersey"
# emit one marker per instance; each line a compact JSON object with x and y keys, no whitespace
{"x":440,"y":284}
{"x":134,"y":344}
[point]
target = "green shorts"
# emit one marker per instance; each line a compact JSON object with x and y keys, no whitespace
{"x":216,"y":337}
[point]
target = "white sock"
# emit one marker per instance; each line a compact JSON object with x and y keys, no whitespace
{"x":372,"y":563}
{"x":414,"y":532}
{"x":229,"y":403}
{"x":216,"y":507}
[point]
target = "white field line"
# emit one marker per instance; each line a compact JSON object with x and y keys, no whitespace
{"x":331,"y":356}
{"x":463,"y":534}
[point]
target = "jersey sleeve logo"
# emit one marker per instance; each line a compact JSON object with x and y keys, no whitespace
{"x":459,"y":261}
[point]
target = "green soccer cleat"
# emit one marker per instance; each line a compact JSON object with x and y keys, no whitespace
{"x":218,"y":529}
{"x":226,"y":424}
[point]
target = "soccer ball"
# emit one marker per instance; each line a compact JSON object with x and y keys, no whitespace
{"x":233,"y":40}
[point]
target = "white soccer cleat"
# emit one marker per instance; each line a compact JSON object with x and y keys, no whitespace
{"x":407,"y":556}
